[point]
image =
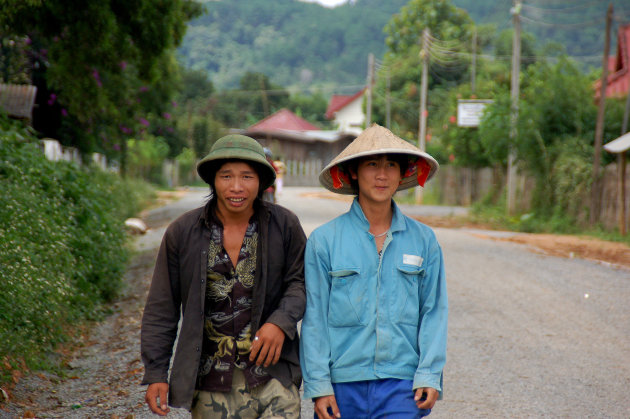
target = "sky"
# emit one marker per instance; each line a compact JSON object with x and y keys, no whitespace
{"x":327,"y":3}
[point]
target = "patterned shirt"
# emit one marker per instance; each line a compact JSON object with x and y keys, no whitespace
{"x":227,"y":327}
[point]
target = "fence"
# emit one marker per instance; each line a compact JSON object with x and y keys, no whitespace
{"x":302,"y":173}
{"x":452,"y":185}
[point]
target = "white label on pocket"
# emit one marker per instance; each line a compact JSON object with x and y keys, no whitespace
{"x":412,"y":260}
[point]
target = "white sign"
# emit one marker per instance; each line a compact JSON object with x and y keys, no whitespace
{"x":469,"y":112}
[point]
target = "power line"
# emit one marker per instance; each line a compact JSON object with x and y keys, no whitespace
{"x":560,"y":10}
{"x":593,"y":22}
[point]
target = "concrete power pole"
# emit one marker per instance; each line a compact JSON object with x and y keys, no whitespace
{"x":422,"y":131}
{"x":370,"y":85}
{"x":424,"y":55}
{"x":388,"y":100}
{"x":599,"y":127}
{"x":473,"y":64}
{"x":514,"y":93}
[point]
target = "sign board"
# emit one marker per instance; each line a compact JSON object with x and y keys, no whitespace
{"x":469,"y":111}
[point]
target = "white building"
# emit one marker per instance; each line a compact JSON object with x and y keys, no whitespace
{"x":346,"y":111}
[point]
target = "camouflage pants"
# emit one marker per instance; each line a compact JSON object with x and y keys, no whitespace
{"x":270,"y":400}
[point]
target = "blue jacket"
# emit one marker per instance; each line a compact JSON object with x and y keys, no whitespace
{"x":369,"y":317}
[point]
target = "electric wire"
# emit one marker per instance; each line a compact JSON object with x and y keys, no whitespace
{"x":561,"y":10}
{"x":597,"y":21}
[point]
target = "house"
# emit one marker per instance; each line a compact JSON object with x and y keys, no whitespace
{"x":347,"y":112}
{"x":304,"y":147}
{"x":618,"y":81}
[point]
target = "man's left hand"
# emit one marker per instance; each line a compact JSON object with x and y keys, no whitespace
{"x":267,"y":345}
{"x":431,"y":397}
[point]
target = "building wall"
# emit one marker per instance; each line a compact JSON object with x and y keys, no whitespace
{"x":351,"y":118}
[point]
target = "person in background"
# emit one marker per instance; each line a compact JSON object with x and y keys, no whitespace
{"x":232,"y":271}
{"x":269,"y":194}
{"x":281,"y":170}
{"x":373,"y":338}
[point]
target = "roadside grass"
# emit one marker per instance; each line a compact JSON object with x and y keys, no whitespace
{"x":63,"y":250}
{"x":495,"y":216}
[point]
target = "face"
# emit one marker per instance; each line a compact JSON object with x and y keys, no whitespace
{"x":378,"y":178}
{"x":236,"y":187}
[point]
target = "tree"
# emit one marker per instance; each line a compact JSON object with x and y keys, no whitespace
{"x":105,"y":65}
{"x":450,"y":34}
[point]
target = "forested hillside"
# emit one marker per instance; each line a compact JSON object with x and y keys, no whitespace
{"x":300,"y":44}
{"x":294,"y":43}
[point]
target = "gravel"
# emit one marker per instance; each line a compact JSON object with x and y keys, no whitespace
{"x":529,"y":335}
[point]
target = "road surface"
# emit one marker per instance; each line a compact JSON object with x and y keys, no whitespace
{"x":530,"y":336}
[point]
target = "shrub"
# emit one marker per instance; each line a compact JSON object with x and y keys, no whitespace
{"x":62,"y":245}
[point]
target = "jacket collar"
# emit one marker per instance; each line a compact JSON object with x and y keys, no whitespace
{"x":398,"y":220}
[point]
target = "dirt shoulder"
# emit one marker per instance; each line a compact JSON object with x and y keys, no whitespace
{"x":567,"y":246}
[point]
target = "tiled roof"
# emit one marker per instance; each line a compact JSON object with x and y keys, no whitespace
{"x":338,"y":102}
{"x":618,"y":81}
{"x":283,"y":119}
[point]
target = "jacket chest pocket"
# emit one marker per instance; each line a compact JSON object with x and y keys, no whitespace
{"x":348,"y":302}
{"x":405,"y":307}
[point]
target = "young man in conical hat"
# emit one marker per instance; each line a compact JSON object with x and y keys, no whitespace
{"x":233,"y":272}
{"x":373,"y":339}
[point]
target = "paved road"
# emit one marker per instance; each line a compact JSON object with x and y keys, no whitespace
{"x":529,"y":335}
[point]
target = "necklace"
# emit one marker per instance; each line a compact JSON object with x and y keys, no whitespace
{"x":376,"y":236}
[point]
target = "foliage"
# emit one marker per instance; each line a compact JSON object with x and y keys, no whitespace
{"x":296,"y":43}
{"x":63,"y":245}
{"x":402,"y":62}
{"x":101,"y":68}
{"x":146,"y":157}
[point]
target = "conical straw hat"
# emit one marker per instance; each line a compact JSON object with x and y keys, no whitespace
{"x":378,"y":140}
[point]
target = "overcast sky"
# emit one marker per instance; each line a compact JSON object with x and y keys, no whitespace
{"x":327,"y":3}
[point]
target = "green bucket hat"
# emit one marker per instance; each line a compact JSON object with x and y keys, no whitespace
{"x":237,"y":147}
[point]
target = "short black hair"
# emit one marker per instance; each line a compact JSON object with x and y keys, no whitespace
{"x":352,"y":166}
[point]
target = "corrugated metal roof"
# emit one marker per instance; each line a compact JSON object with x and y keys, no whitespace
{"x":619,"y":145}
{"x":17,"y":100}
{"x":298,"y":135}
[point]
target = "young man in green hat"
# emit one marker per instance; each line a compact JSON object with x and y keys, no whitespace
{"x":374,"y":332}
{"x":232,"y":272}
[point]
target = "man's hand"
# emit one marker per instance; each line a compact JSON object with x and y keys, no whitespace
{"x":323,"y":403}
{"x":431,"y":397}
{"x":267,"y":345}
{"x":155,"y":391}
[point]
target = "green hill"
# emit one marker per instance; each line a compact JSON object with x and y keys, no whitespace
{"x":303,"y":45}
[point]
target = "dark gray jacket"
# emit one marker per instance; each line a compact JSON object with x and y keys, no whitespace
{"x":179,"y":285}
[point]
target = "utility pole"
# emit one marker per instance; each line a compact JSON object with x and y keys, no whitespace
{"x":424,"y":56}
{"x":621,"y":167}
{"x":388,"y":100}
{"x":370,"y":84}
{"x":473,"y":71}
{"x":422,"y":131}
{"x":514,"y":93}
{"x":599,"y":128}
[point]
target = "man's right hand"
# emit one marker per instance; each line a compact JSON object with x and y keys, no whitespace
{"x":323,"y":403}
{"x":155,"y":391}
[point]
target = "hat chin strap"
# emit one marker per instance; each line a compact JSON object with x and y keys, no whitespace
{"x":338,"y":176}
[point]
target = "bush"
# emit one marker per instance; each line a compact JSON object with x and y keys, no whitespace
{"x":62,"y":245}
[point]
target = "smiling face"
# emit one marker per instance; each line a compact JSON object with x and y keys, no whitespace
{"x":236,"y":187}
{"x":378,"y":178}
